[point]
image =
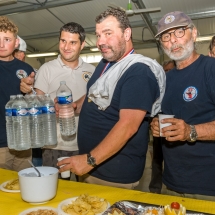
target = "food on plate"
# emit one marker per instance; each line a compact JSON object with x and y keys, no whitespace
{"x":42,"y":212}
{"x":174,"y":209}
{"x":154,"y":211}
{"x":86,"y":205}
{"x":116,"y":211}
{"x":12,"y":185}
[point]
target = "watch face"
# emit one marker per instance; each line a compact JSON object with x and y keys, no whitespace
{"x":91,"y":160}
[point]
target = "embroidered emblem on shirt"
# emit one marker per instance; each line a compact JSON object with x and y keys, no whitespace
{"x":190,"y":94}
{"x":21,"y":74}
{"x":169,"y":19}
{"x":87,"y":76}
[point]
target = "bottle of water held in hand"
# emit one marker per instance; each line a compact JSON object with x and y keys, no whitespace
{"x":49,"y":121}
{"x":36,"y":122}
{"x":21,"y":129}
{"x":66,"y":111}
{"x":9,"y":122}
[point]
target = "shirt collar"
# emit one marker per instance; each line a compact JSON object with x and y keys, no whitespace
{"x":80,"y":62}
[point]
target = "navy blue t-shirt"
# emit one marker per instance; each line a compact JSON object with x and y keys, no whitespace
{"x":136,"y":89}
{"x":11,"y":72}
{"x":190,"y":95}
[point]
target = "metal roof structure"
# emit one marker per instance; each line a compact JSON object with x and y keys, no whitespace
{"x":39,"y":21}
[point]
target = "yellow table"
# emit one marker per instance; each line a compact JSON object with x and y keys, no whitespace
{"x":12,"y":203}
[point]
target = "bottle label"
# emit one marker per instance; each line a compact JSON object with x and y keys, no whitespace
{"x":20,"y":112}
{"x":48,"y":109}
{"x":35,"y":111}
{"x":64,"y":99}
{"x":8,"y":112}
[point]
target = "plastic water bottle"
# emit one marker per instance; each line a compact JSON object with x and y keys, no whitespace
{"x":36,"y":122}
{"x":20,"y":117}
{"x":49,"y":121}
{"x":9,"y":122}
{"x":66,"y":111}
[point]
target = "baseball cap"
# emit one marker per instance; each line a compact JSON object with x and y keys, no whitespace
{"x":22,"y":44}
{"x":173,"y":20}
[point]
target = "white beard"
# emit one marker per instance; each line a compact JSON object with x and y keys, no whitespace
{"x":185,"y":51}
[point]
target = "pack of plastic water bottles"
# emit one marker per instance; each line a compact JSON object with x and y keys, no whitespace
{"x":30,"y":121}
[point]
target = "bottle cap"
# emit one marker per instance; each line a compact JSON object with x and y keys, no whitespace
{"x":63,"y":82}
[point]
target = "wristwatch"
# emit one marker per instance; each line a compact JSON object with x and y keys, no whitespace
{"x":91,"y":160}
{"x":193,"y":134}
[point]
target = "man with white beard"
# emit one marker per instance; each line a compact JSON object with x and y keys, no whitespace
{"x":188,"y":144}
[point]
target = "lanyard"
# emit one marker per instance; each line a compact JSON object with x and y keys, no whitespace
{"x":108,"y":65}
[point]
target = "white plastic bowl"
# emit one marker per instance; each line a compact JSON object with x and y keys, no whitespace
{"x":38,"y":189}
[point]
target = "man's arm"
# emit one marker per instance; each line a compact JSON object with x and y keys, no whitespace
{"x":180,"y":131}
{"x":27,"y":83}
{"x":123,"y":130}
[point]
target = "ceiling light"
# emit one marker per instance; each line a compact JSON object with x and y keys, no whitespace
{"x":94,"y":49}
{"x":47,"y":54}
{"x":206,"y":38}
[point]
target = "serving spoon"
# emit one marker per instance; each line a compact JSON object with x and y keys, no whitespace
{"x":39,"y":174}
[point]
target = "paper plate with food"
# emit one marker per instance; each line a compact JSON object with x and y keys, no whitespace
{"x":40,"y":211}
{"x":11,"y":186}
{"x":83,"y":205}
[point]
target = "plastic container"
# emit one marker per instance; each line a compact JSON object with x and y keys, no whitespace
{"x":66,"y":111}
{"x":9,"y":122}
{"x":36,"y":122}
{"x":21,"y":129}
{"x":49,"y":121}
{"x":36,"y":189}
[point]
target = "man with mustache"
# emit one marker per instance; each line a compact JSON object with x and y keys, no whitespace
{"x":113,"y":123}
{"x":189,"y":143}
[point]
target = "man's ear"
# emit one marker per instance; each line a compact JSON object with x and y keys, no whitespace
{"x":127,"y":34}
{"x":16,"y":43}
{"x":82,"y":45}
{"x":194,"y":34}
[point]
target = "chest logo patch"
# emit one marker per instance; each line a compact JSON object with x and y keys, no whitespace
{"x":87,"y":76}
{"x":21,"y":73}
{"x":169,"y":19}
{"x":190,"y":93}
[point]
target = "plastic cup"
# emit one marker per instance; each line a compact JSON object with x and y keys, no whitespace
{"x":65,"y":174}
{"x":162,"y":125}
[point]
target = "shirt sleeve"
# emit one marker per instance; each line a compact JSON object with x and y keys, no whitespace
{"x":41,"y":79}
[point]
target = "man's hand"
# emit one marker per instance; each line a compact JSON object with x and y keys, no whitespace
{"x":178,"y":131}
{"x":27,"y":83}
{"x":76,"y":164}
{"x":155,"y":128}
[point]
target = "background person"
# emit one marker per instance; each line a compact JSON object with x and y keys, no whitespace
{"x":67,"y":67}
{"x":12,"y":70}
{"x":212,"y":47}
{"x":113,"y":131}
{"x":19,"y":52}
{"x":188,"y":144}
{"x":168,"y":65}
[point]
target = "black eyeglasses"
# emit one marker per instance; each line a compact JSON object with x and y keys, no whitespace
{"x":179,"y":32}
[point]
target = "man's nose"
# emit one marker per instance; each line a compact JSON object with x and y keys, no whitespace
{"x":1,"y":43}
{"x":173,"y":38}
